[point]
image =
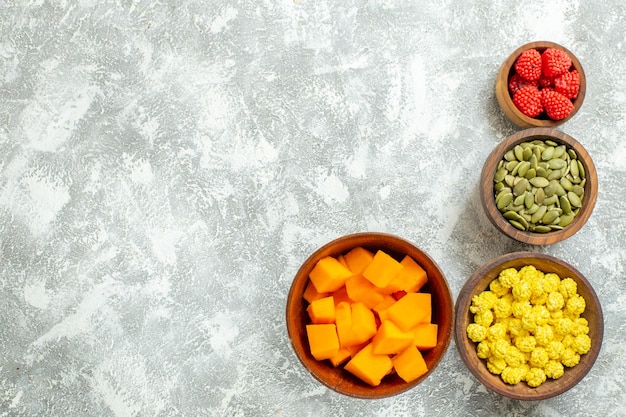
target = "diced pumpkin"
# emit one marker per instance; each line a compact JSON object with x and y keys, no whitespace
{"x":322,"y":311}
{"x":425,"y":336}
{"x":341,"y":295}
{"x":343,"y":354}
{"x":412,"y":309}
{"x":311,"y":294}
{"x":389,"y":339}
{"x":369,"y":367}
{"x":412,"y":276}
{"x":358,"y":259}
{"x":409,"y":364}
{"x":382,"y":269}
{"x":361,"y":290}
{"x":342,"y":261}
{"x":363,"y":322}
{"x":323,"y":340}
{"x":384,"y":304}
{"x":329,"y":275}
{"x":343,"y":320}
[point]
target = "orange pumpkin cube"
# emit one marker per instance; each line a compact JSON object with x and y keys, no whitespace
{"x":425,"y":336}
{"x":329,"y":275}
{"x":409,"y":364}
{"x":322,"y":311}
{"x":310,"y":293}
{"x":369,"y":367}
{"x":389,"y":339}
{"x":382,"y":269}
{"x":363,"y":322}
{"x":343,"y":320}
{"x":343,"y":354}
{"x":358,"y":259}
{"x":361,"y":290}
{"x":323,"y":340}
{"x":409,"y":311}
{"x":412,"y":276}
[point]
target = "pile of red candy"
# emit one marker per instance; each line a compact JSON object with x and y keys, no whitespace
{"x":544,"y":83}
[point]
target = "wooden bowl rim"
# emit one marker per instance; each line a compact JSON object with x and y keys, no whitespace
{"x":487,"y":194}
{"x":504,"y":97}
{"x":467,"y":348}
{"x":337,"y":383}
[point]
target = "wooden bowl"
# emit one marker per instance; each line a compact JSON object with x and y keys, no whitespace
{"x":480,"y":280}
{"x":504,"y":97}
{"x":338,"y":379}
{"x":487,"y":183}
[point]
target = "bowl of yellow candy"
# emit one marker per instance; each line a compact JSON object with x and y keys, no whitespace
{"x":529,"y":326}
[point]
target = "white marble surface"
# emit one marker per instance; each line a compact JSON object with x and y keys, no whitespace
{"x":167,"y":165}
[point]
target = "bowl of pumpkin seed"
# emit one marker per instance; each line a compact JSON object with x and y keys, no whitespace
{"x":539,"y":186}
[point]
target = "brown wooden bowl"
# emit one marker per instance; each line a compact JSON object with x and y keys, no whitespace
{"x":480,"y":280}
{"x":504,"y":97}
{"x":339,"y":379}
{"x":487,"y":192}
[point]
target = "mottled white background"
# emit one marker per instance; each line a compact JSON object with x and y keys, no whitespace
{"x":165,"y":167}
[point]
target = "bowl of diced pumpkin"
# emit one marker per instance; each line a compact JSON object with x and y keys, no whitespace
{"x":370,"y":315}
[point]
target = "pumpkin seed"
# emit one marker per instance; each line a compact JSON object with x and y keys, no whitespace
{"x":581,"y":169}
{"x":531,"y":173}
{"x":540,"y":182}
{"x":566,"y":184}
{"x":499,"y":175}
{"x":572,"y":154}
{"x":565,"y":205}
{"x":547,"y":153}
{"x":578,"y":190}
{"x":550,"y":142}
{"x":574,"y":199}
{"x":539,"y":214}
{"x":517,"y":224}
{"x":520,"y":187}
{"x":573,"y":168}
{"x":523,"y":168}
{"x":550,"y":216}
{"x":542,"y":229}
{"x":541,"y":172}
{"x":540,"y":195}
{"x":566,"y":219}
{"x":529,"y":199}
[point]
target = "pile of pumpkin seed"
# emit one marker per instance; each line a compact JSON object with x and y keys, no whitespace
{"x":539,"y":186}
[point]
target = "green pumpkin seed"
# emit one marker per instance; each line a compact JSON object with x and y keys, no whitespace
{"x":573,"y":168}
{"x":559,"y":151}
{"x":540,"y":182}
{"x":550,"y":216}
{"x":517,"y":225}
{"x":519,"y":152}
{"x":523,"y":168}
{"x":528,"y":152}
{"x":578,"y":190}
{"x":529,"y":199}
{"x":574,"y":199}
{"x":521,"y":187}
{"x":566,"y":219}
{"x":572,"y":154}
{"x":550,"y":189}
{"x":542,"y":172}
{"x":531,"y":173}
{"x":499,"y":175}
{"x":540,"y":195}
{"x":550,"y":142}
{"x":510,"y":165}
{"x":509,"y":155}
{"x":548,"y":201}
{"x":519,"y":200}
{"x":566,"y":184}
{"x":557,"y":163}
{"x":538,"y":214}
{"x":581,"y":169}
{"x":565,"y":205}
{"x":533,"y":161}
{"x":532,"y":210}
{"x":555,"y":175}
{"x":547,"y":153}
{"x":504,"y":200}
{"x":542,"y":229}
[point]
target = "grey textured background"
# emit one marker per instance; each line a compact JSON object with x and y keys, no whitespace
{"x":166,"y":166}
